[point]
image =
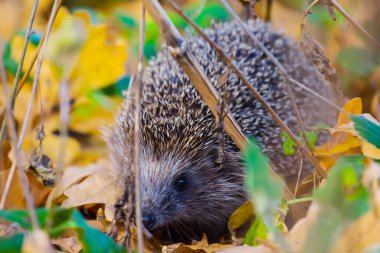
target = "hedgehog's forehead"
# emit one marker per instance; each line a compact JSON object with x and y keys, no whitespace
{"x":175,"y":135}
{"x":159,"y":171}
{"x":156,"y":178}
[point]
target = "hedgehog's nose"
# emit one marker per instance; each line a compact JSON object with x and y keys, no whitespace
{"x":149,"y":220}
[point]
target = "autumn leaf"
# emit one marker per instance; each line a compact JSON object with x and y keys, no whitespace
{"x":78,"y":186}
{"x":344,"y":139}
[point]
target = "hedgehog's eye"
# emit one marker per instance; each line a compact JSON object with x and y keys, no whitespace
{"x":180,"y":183}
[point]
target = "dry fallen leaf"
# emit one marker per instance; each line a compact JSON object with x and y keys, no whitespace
{"x":360,"y":235}
{"x":241,"y":219}
{"x":16,"y":197}
{"x":248,"y":249}
{"x":316,"y":54}
{"x":298,"y":234}
{"x":103,"y":176}
{"x":68,"y":245}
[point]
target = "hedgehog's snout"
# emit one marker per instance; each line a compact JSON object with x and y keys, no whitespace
{"x":149,"y":220}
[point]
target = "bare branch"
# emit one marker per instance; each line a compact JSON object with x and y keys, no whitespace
{"x":16,"y":155}
{"x":137,"y":98}
{"x":12,"y":99}
{"x":308,"y":11}
{"x":30,"y":105}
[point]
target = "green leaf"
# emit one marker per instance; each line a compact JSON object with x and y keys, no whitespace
{"x":117,"y":88}
{"x":34,"y":37}
{"x":266,"y":191}
{"x":93,"y":240}
{"x":342,"y":200}
{"x":257,"y":230}
{"x":343,"y":190}
{"x":10,"y":64}
{"x":311,"y":138}
{"x":11,"y":244}
{"x":367,"y":129}
{"x":61,"y":219}
{"x":126,"y":20}
{"x":21,"y":217}
{"x":288,"y":145}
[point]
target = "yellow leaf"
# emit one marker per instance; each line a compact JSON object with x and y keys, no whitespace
{"x":354,"y":106}
{"x":101,"y":174}
{"x":244,"y":214}
{"x":369,"y":149}
{"x":343,"y":140}
{"x":16,"y":197}
{"x":338,"y":143}
{"x":102,"y":60}
{"x":360,"y":235}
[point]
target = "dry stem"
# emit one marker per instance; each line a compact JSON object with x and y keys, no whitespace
{"x":137,"y":98}
{"x":12,"y":99}
{"x":29,"y":108}
{"x":16,"y":154}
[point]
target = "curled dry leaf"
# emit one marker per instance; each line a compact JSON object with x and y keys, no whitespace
{"x":315,"y":53}
{"x":42,"y":168}
{"x":330,"y":9}
{"x":68,"y":245}
{"x":78,"y":185}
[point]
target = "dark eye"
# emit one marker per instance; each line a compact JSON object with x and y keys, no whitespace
{"x":180,"y":183}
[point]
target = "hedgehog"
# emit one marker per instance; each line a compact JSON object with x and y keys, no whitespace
{"x":186,"y":191}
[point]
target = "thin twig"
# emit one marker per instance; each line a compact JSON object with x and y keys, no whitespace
{"x":16,"y":156}
{"x":354,"y":23}
{"x":36,"y":53}
{"x":307,"y":11}
{"x":244,"y":79}
{"x":137,"y":100}
{"x":205,"y":88}
{"x":12,"y":99}
{"x":30,"y":105}
{"x":298,"y":177}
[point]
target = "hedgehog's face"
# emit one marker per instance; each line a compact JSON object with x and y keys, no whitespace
{"x":169,"y":186}
{"x":181,"y":195}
